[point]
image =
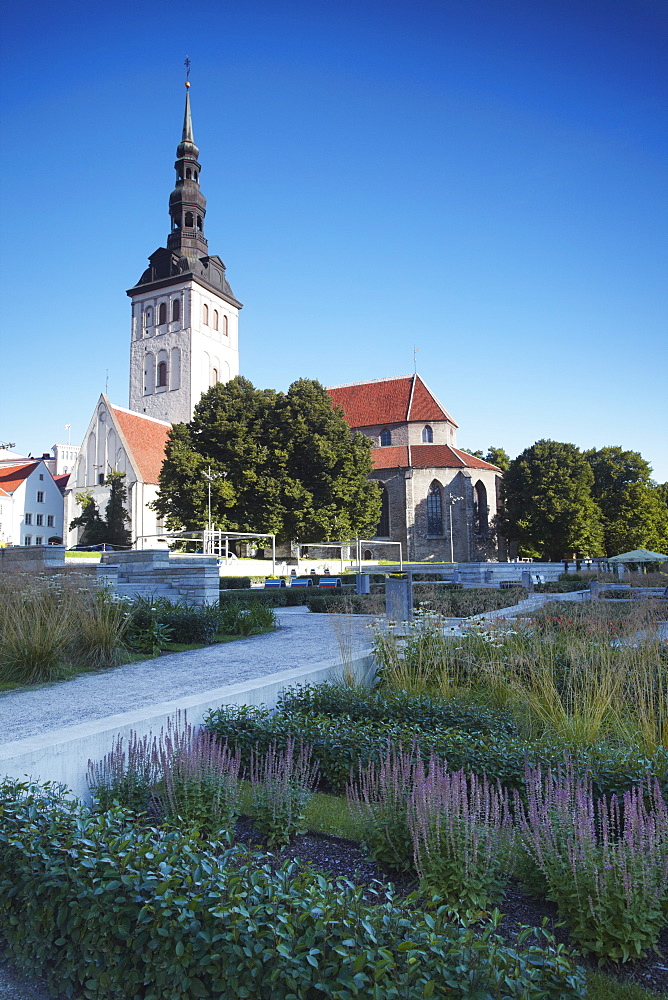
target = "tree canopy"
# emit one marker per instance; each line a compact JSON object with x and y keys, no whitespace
{"x":633,"y":512}
{"x":285,"y":463}
{"x":549,"y":509}
{"x":496,"y":456}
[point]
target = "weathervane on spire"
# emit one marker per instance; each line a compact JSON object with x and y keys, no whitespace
{"x":416,"y":351}
{"x":187,"y":66}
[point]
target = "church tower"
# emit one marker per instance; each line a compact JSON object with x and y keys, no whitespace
{"x":185,"y":318}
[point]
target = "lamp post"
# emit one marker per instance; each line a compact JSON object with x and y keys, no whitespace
{"x":451,"y":502}
{"x":210,"y":476}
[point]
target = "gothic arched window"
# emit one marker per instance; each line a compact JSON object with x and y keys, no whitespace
{"x":205,"y":315}
{"x":162,"y":374}
{"x":162,"y":313}
{"x":385,"y":438}
{"x":215,"y":319}
{"x":434,"y":510}
{"x":427,"y":435}
{"x":383,"y":528}
{"x":224,"y":326}
{"x":480,"y":510}
{"x":176,"y":310}
{"x":214,"y":376}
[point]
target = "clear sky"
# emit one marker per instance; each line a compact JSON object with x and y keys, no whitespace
{"x":484,"y":180}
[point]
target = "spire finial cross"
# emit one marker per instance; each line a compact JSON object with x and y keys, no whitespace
{"x":187,"y":66}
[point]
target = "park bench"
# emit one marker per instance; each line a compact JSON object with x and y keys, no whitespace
{"x":301,"y":581}
{"x":270,"y":584}
{"x":330,"y":582}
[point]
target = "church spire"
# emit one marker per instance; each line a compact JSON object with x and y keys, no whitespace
{"x":187,"y":204}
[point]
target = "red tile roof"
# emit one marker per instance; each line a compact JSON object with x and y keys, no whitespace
{"x":146,"y":439}
{"x":61,"y":481}
{"x":12,"y":476}
{"x":3,"y":493}
{"x":388,"y":401}
{"x":427,"y":456}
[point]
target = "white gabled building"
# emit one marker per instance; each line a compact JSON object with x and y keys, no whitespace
{"x":31,"y":505}
{"x":118,"y":440}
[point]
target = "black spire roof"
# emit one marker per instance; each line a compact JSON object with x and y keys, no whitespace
{"x":187,"y":249}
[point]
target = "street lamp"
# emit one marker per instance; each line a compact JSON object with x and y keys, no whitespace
{"x":452,"y":501}
{"x":210,"y":476}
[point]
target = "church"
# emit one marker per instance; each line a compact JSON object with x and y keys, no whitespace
{"x":438,"y":501}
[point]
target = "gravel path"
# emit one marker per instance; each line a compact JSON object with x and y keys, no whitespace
{"x":301,"y":639}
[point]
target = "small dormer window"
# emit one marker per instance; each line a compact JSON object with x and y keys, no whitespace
{"x":385,"y":438}
{"x":427,"y":435}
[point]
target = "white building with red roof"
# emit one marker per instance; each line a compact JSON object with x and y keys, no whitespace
{"x":428,"y":483}
{"x":31,"y":505}
{"x":118,"y":440}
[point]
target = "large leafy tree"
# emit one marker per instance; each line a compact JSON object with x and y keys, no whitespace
{"x":634,"y":514}
{"x":285,"y":463}
{"x":549,"y":510}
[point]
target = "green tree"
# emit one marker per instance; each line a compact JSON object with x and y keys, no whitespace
{"x":89,"y":520}
{"x":285,"y":463}
{"x":634,"y":515}
{"x":496,"y":456}
{"x":548,"y":506}
{"x":116,"y":532}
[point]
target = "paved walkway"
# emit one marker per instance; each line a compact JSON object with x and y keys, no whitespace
{"x":301,"y":639}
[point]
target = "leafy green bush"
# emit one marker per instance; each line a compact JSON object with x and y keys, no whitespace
{"x":340,"y":744}
{"x":424,"y":711}
{"x":235,"y":583}
{"x":248,"y":618}
{"x":106,"y":908}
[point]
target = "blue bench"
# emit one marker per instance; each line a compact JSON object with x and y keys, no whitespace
{"x":301,"y":581}
{"x":270,"y":584}
{"x":330,"y":581}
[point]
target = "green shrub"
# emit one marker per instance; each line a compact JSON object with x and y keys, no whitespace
{"x":235,"y":583}
{"x":109,"y":909}
{"x":247,"y":618}
{"x":340,"y":744}
{"x":423,"y":711}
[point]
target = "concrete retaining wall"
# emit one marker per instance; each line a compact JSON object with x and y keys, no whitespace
{"x":155,"y":572}
{"x":32,"y":557}
{"x":62,"y":755}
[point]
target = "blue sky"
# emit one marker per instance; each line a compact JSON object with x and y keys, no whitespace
{"x":485,"y":181}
